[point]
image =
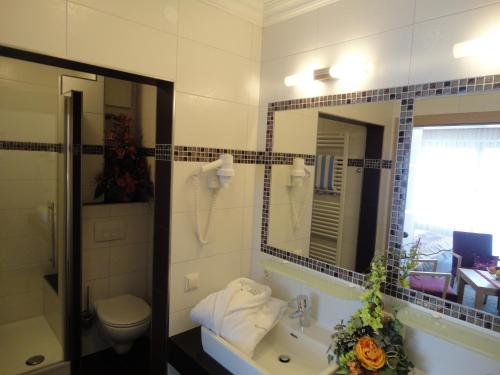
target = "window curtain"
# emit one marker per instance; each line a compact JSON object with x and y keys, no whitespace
{"x":454,"y":181}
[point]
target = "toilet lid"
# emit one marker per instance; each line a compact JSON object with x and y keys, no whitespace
{"x":123,"y":310}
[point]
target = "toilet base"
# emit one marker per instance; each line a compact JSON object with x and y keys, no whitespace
{"x":122,"y":348}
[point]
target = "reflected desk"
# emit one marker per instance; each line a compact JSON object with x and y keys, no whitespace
{"x":481,"y":281}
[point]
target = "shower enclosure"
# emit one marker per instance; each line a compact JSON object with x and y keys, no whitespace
{"x":39,"y":211}
{"x":49,"y":162}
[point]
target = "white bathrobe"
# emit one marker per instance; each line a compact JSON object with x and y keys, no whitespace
{"x":242,"y":313}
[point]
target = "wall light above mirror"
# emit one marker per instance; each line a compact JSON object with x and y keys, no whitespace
{"x":349,"y":68}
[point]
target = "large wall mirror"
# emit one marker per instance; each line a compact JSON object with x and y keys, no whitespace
{"x":387,"y":171}
{"x":333,"y":204}
{"x":83,"y":211}
{"x":452,"y":200}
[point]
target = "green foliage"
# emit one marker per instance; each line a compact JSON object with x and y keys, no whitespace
{"x":370,"y":320}
{"x":408,"y":262}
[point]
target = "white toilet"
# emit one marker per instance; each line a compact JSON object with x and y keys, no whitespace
{"x":122,"y":320}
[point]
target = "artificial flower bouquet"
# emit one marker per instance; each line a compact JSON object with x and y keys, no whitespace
{"x":370,"y":343}
{"x":125,"y":177}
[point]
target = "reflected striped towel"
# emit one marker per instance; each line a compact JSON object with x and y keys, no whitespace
{"x":324,"y":172}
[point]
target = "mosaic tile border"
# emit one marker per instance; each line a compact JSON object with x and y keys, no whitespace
{"x":93,"y":149}
{"x":87,"y":149}
{"x":163,"y":152}
{"x":407,"y":96}
{"x":370,"y":163}
{"x":209,"y":154}
{"x":30,"y":146}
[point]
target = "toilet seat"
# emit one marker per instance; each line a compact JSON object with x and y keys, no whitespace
{"x":123,"y":311}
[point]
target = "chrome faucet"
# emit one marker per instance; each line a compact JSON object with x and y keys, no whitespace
{"x":303,"y":310}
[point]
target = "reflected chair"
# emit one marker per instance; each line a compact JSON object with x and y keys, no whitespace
{"x":432,"y":282}
{"x":466,"y":246}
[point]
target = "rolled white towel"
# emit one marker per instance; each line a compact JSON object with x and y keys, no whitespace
{"x":242,"y":313}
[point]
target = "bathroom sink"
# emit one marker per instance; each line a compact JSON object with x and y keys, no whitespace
{"x":306,"y":350}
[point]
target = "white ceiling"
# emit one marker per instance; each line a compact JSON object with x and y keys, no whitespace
{"x":268,"y":12}
{"x":280,"y":10}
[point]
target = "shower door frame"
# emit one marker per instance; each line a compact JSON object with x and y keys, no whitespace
{"x":161,"y":241}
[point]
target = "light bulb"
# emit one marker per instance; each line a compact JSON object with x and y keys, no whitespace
{"x":299,"y":79}
{"x":350,"y":69}
{"x":486,"y":46}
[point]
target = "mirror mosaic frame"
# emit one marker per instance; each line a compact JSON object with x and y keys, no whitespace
{"x":407,"y":96}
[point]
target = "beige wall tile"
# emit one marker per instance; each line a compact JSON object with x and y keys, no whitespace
{"x":159,"y":14}
{"x":42,"y":28}
{"x":210,"y":25}
{"x":104,"y":39}
{"x":211,"y":72}
{"x":202,"y":121}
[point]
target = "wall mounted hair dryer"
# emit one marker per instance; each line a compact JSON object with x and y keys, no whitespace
{"x":220,"y":179}
{"x":225,"y":170}
{"x":299,"y":172}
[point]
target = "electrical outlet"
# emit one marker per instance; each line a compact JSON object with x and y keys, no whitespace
{"x":191,"y":281}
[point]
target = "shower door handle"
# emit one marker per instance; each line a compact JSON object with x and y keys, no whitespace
{"x":52,"y":228}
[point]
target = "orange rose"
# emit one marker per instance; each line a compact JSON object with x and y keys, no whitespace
{"x":371,"y":356}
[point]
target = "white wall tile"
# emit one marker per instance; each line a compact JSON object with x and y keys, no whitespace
{"x":211,"y":72}
{"x":34,"y":25}
{"x":131,"y":209}
{"x":428,"y":9}
{"x":159,"y":14}
{"x":26,"y":71}
{"x":180,"y":321}
{"x":33,"y":110}
{"x":107,"y":40}
{"x":126,"y":259}
{"x":202,"y":121}
{"x":225,"y":235}
{"x":432,"y":57}
{"x":146,"y":108}
{"x":251,"y":187}
{"x":256,"y":48}
{"x":98,"y":289}
{"x":253,"y":130}
{"x":347,"y":20}
{"x":134,"y":283}
{"x":20,"y":280}
{"x":93,"y":128}
{"x":246,"y":263}
{"x":215,"y":273}
{"x":95,"y":263}
{"x":210,"y":25}
{"x":298,"y":34}
{"x":22,"y":165}
{"x":21,"y":306}
{"x":26,"y":194}
{"x":295,"y":132}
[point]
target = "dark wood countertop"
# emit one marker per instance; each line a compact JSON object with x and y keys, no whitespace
{"x":186,"y":355}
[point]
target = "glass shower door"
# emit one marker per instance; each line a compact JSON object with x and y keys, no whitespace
{"x":36,"y":275}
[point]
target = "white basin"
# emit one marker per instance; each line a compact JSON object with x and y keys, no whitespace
{"x":306,"y":348}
